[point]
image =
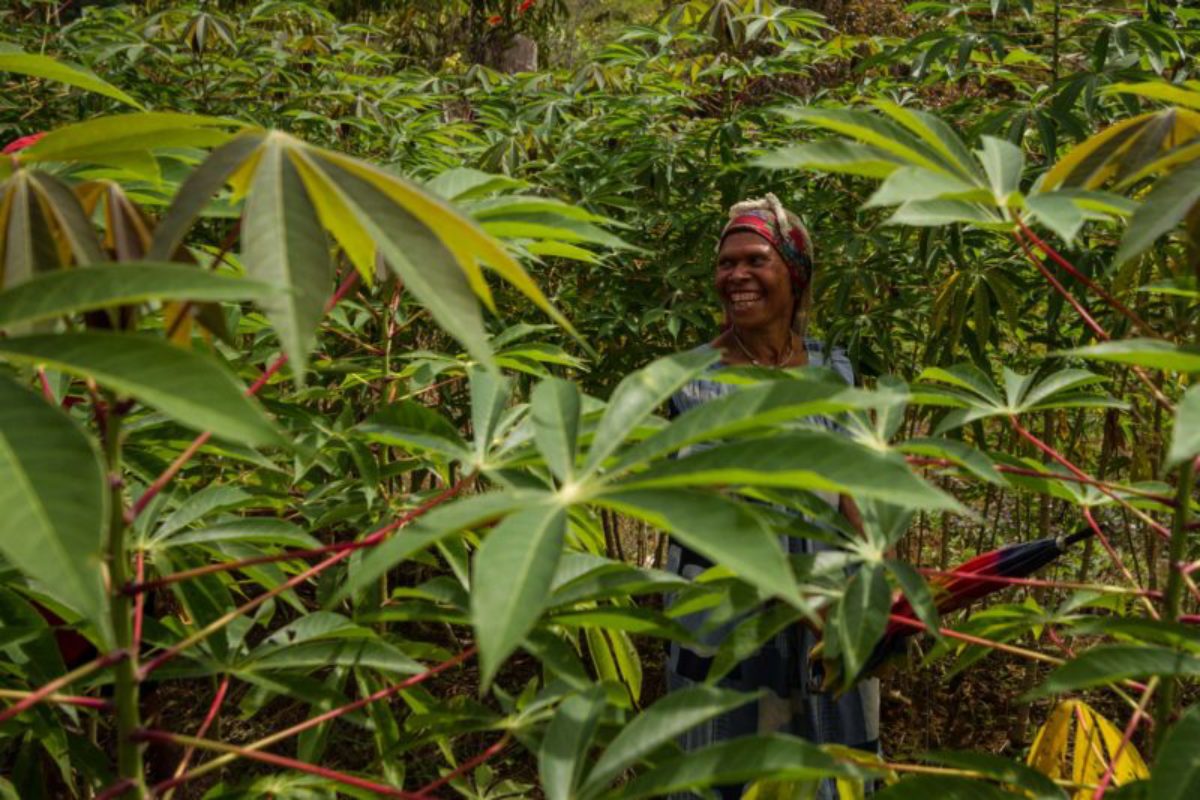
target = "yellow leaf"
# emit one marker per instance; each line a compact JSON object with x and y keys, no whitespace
{"x":1076,"y":732}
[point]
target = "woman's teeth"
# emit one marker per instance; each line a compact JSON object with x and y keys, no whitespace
{"x":744,"y":299}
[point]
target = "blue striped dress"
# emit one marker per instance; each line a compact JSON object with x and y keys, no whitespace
{"x":792,"y":701}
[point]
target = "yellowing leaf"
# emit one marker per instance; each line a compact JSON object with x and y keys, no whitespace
{"x":1078,"y":743}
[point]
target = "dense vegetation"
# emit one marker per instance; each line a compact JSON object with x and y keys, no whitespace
{"x":334,"y":354}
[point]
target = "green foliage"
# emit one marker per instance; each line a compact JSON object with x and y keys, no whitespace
{"x":442,"y":475}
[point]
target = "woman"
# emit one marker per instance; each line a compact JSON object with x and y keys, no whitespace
{"x":764,"y":280}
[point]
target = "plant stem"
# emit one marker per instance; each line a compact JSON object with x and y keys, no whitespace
{"x":126,"y":698}
{"x":1174,"y":594}
{"x":48,"y":690}
{"x":312,"y":722}
{"x":270,"y":758}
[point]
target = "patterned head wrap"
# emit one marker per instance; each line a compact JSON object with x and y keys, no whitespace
{"x":768,"y":218}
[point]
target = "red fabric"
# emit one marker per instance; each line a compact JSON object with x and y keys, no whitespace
{"x":22,"y":143}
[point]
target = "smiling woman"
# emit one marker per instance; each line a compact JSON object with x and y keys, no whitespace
{"x":764,"y":281}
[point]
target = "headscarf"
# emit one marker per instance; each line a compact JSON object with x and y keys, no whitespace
{"x":767,"y":218}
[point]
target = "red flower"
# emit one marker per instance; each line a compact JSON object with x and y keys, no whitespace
{"x":525,"y":6}
{"x":22,"y":143}
{"x":495,"y":19}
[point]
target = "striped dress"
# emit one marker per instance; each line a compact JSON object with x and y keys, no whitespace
{"x":793,"y":701}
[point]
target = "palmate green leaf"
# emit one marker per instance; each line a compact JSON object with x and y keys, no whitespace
{"x":813,"y":460}
{"x":37,"y":213}
{"x":638,"y":395}
{"x":428,"y":265}
{"x":848,"y":158}
{"x":935,"y":132}
{"x":777,"y":756}
{"x":55,"y":502}
{"x":190,"y":388}
{"x":1185,"y":436}
{"x":861,"y":616}
{"x":256,"y":530}
{"x":440,"y":523}
{"x":658,"y":725}
{"x":748,"y":637}
{"x":39,"y":66}
{"x":554,"y":408}
{"x":66,"y":292}
{"x":749,"y":408}
{"x":1003,"y":162}
{"x":960,"y":453}
{"x":909,"y":184}
{"x":916,"y":591}
{"x":564,"y":746}
{"x":1153,"y":353}
{"x":724,"y":531}
{"x":630,"y":619}
{"x":876,"y":131}
{"x":511,"y":576}
{"x":353,"y":652}
{"x":126,"y":140}
{"x":1113,"y":663}
{"x":1167,"y":203}
{"x":1176,"y":773}
{"x":284,"y":247}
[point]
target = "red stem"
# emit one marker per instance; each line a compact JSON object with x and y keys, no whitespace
{"x":42,"y":693}
{"x":47,"y":392}
{"x":230,"y":566}
{"x":465,"y":767}
{"x":922,"y":461}
{"x":250,"y":605}
{"x":1112,"y":553}
{"x":966,"y":637}
{"x":214,"y":708}
{"x":139,"y":602}
{"x":1062,"y":290}
{"x":1074,"y":272}
{"x":146,"y":735}
{"x":334,"y":713}
{"x":1064,"y":461}
{"x":170,"y":472}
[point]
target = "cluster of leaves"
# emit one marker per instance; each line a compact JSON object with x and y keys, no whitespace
{"x":153,"y":262}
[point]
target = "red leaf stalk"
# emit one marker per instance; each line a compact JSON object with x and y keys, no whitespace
{"x":47,"y":690}
{"x":1062,"y":290}
{"x":923,"y":461}
{"x":146,"y":735}
{"x":139,"y":602}
{"x":1116,"y":558}
{"x":170,"y":472}
{"x":466,"y":766}
{"x":977,"y":640}
{"x":60,"y":699}
{"x":1095,"y":288}
{"x":313,"y":722}
{"x":231,"y":566}
{"x":214,"y":708}
{"x":317,"y":569}
{"x":1064,"y":461}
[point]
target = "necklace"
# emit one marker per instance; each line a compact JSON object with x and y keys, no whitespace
{"x":786,"y":356}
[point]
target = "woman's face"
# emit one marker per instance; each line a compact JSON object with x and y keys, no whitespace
{"x":752,"y":281}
